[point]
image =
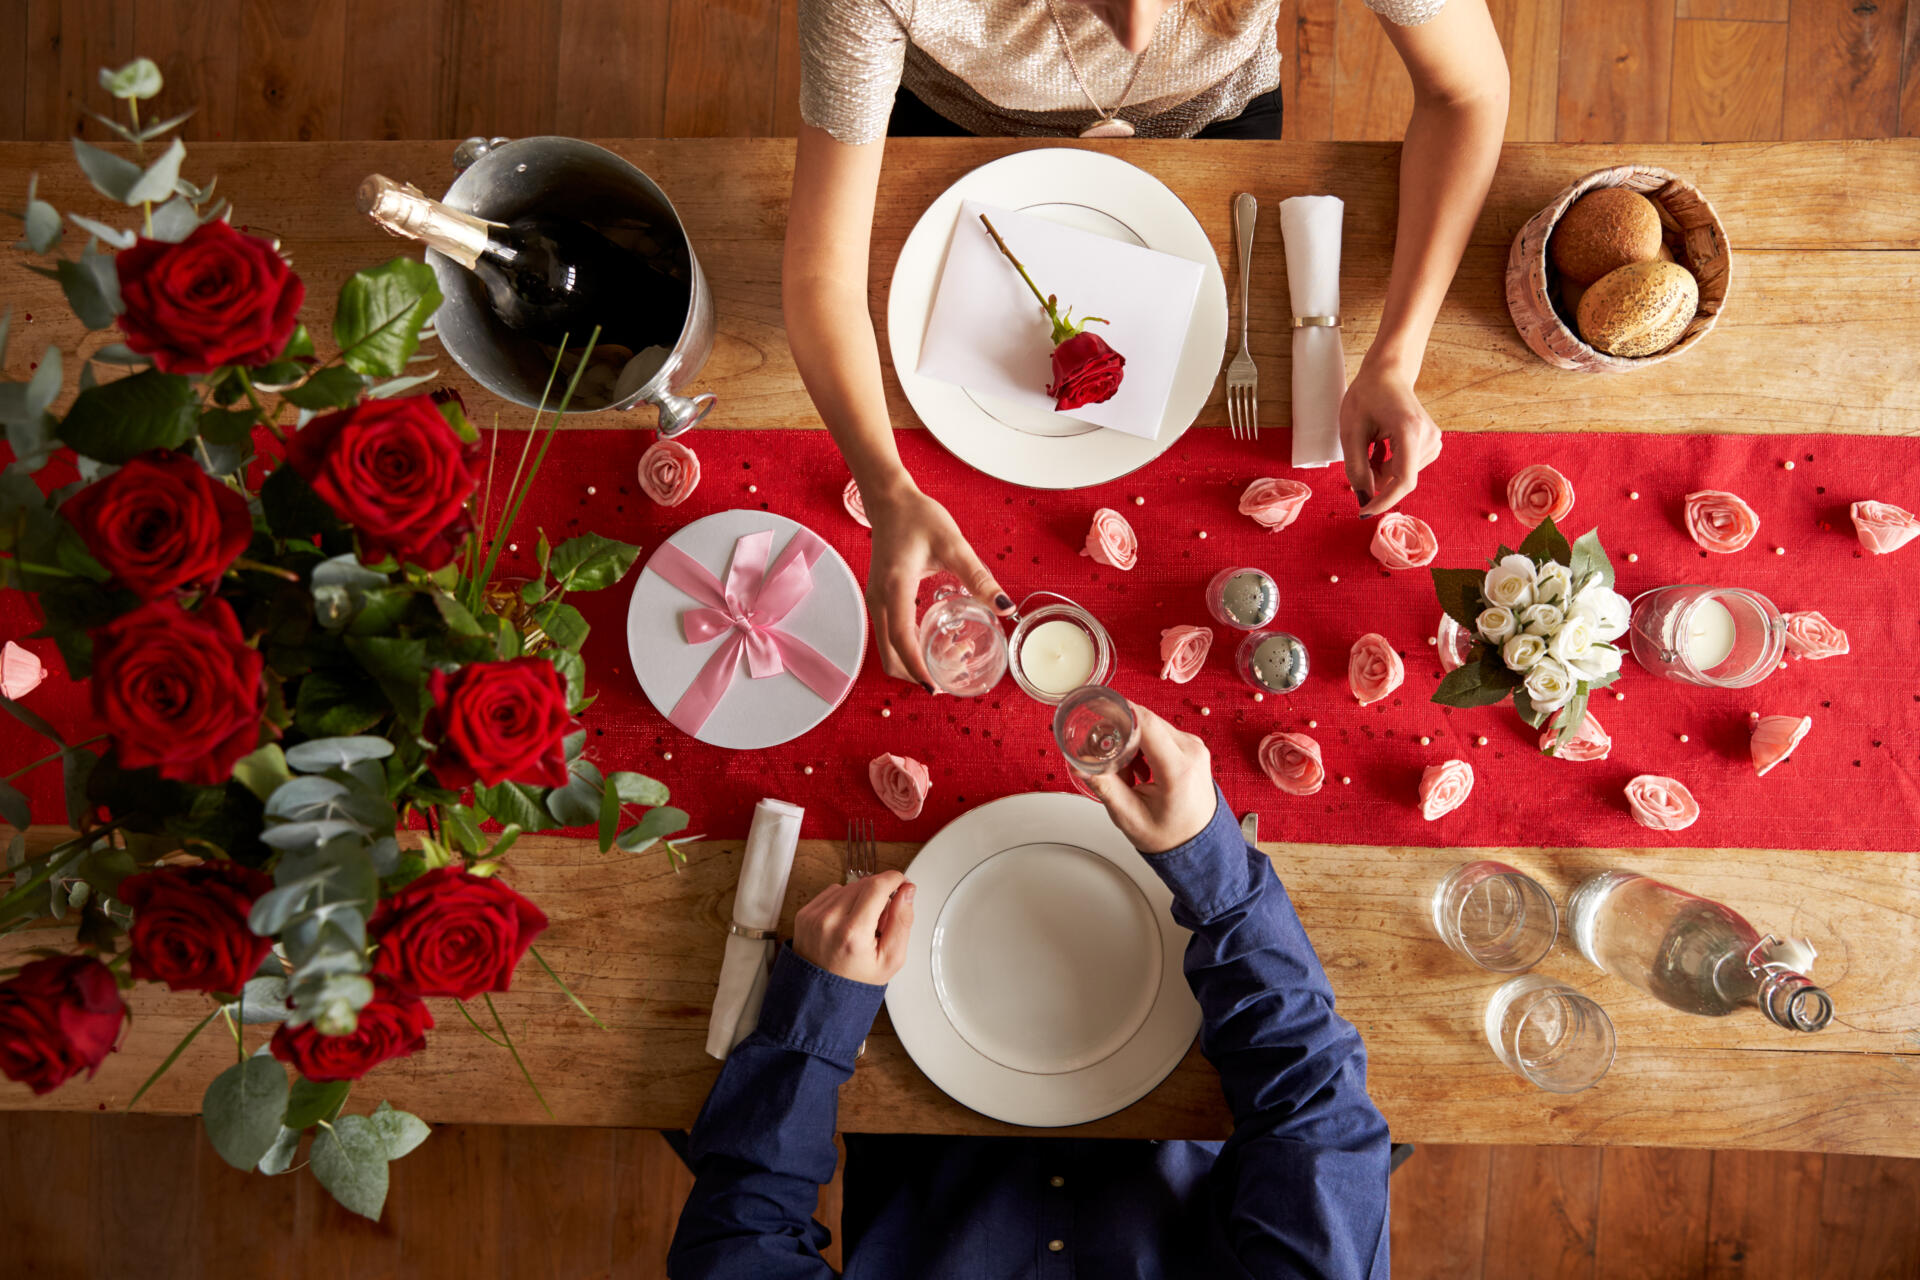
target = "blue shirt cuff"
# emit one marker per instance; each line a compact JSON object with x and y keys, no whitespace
{"x":1209,"y":874}
{"x":816,"y":1012}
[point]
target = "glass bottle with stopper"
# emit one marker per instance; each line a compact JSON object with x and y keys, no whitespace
{"x":1054,"y":649}
{"x":1693,"y":953}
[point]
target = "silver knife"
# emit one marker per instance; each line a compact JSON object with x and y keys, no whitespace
{"x":1250,"y":828}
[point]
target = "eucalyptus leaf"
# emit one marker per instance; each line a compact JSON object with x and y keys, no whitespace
{"x":609,"y":818}
{"x":334,"y":753}
{"x":517,"y":804}
{"x":308,"y":835}
{"x":272,"y":909}
{"x":243,"y":1107}
{"x":112,"y":176}
{"x":148,"y":132}
{"x":578,"y":803}
{"x":31,"y":720}
{"x":157,"y":183}
{"x":43,"y":229}
{"x":138,"y":79}
{"x":113,"y":237}
{"x":311,"y":1101}
{"x":297,"y":799}
{"x":636,"y":788}
{"x":279,"y":1157}
{"x":261,"y":1000}
{"x":92,"y":287}
{"x":174,"y":221}
{"x":399,"y":1131}
{"x":120,"y":353}
{"x":6,"y":327}
{"x":349,"y":1158}
{"x":381,"y":309}
{"x":654,"y":825}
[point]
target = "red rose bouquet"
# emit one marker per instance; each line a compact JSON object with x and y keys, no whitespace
{"x":267,"y":562}
{"x":1085,"y":369}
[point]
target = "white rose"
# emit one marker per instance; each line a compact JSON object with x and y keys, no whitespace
{"x":1549,"y":685}
{"x":1541,"y":619}
{"x":1607,"y":609}
{"x":1573,"y":639}
{"x":1553,"y":583}
{"x":1495,"y":624}
{"x":1597,"y":663}
{"x":1509,"y":584}
{"x":1522,"y":652}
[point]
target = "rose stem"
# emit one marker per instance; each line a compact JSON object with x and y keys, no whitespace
{"x":1046,"y":304}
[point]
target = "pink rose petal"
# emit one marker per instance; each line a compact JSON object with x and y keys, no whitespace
{"x":21,"y":671}
{"x":668,"y":472}
{"x":1374,"y":670}
{"x":1774,"y":738}
{"x":1810,"y":635}
{"x":1884,"y":527}
{"x":1719,"y":521}
{"x":1401,"y":541}
{"x":855,"y":505}
{"x":1538,"y":491}
{"x":1274,"y":504}
{"x":1444,"y":788}
{"x":1183,"y":651}
{"x":901,"y":782}
{"x":1291,"y":762}
{"x":1663,"y":804}
{"x":1588,"y":742}
{"x":1110,"y":541}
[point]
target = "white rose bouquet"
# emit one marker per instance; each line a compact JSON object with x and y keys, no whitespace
{"x":1543,"y":620}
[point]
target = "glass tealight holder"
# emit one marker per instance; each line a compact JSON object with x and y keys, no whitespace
{"x":1720,"y":637}
{"x":1453,"y":642}
{"x":1549,"y":1034}
{"x":1245,"y":599}
{"x":1272,"y":661}
{"x":1054,"y":649}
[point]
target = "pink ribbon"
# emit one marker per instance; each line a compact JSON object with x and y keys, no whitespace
{"x":745,"y":613}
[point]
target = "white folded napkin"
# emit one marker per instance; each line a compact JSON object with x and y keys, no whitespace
{"x":1310,"y":227}
{"x":757,"y":900}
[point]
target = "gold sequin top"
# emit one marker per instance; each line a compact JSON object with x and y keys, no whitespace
{"x":997,"y":67}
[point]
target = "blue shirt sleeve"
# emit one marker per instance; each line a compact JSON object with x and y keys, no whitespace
{"x":763,"y":1144}
{"x":1301,"y":1186}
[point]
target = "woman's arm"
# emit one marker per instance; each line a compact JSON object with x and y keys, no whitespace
{"x":824,"y":295}
{"x":1446,"y":164}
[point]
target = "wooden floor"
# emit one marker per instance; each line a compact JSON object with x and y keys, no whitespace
{"x":115,"y":1196}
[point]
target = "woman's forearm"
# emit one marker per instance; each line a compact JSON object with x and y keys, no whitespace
{"x":831,"y":336}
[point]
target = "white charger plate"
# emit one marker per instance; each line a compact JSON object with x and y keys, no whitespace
{"x":1093,"y":192}
{"x":1048,"y":988}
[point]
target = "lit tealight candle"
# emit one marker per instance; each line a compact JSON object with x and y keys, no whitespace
{"x":1709,"y":635}
{"x":1057,"y":657}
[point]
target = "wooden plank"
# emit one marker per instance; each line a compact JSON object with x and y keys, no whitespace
{"x":447,"y":1203}
{"x":1308,"y":43}
{"x":291,"y":53}
{"x":502,"y":69}
{"x":613,"y":69}
{"x":1843,"y":68}
{"x":13,"y":70}
{"x":1542,"y":1213}
{"x":338,"y":1241}
{"x":711,"y":45}
{"x":140,"y":1167}
{"x":248,"y":1223}
{"x":575,"y":1240}
{"x":1372,"y":93}
{"x":650,"y":1185}
{"x":1910,"y":76}
{"x":1869,"y":1217}
{"x":786,"y":79}
{"x":1616,"y":68}
{"x":1530,"y":34}
{"x":47,"y":1167}
{"x":1653,"y":1213}
{"x":197,"y":45}
{"x":1763,"y":1216}
{"x":1439,"y":1212}
{"x":68,"y":41}
{"x":394,"y":82}
{"x":1728,"y":81}
{"x":1734,"y":10}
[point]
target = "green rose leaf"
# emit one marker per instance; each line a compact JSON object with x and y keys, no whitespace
{"x":117,"y":421}
{"x":227,"y":426}
{"x":333,"y":706}
{"x":1477,"y":684}
{"x":656,"y":824}
{"x":456,"y":417}
{"x":563,"y":624}
{"x":350,"y":1160}
{"x":399,"y":667}
{"x":312,"y":1101}
{"x":14,"y":807}
{"x":138,"y":79}
{"x":292,"y":508}
{"x":1458,"y":591}
{"x":1589,"y":557}
{"x":331,"y":388}
{"x":516,"y":804}
{"x":377,"y":324}
{"x":243,"y":1107}
{"x":76,"y":766}
{"x":590,"y":562}
{"x":1546,"y":542}
{"x":299,"y":344}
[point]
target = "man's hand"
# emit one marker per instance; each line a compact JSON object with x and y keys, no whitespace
{"x":1176,"y":803}
{"x":859,"y":930}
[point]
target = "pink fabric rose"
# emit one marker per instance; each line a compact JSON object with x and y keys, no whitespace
{"x":1374,"y":670}
{"x":1774,"y":738}
{"x":1183,"y":651}
{"x":1884,"y":527}
{"x":1291,"y":762}
{"x":21,"y":671}
{"x":1110,"y":541}
{"x":1274,"y":504}
{"x":1719,"y":521}
{"x":1401,"y":541}
{"x":1588,"y":742}
{"x":1444,"y":788}
{"x":669,"y":471}
{"x":1663,"y":804}
{"x":1537,"y":492}
{"x":1810,"y":635}
{"x":856,"y":505}
{"x":902,"y":784}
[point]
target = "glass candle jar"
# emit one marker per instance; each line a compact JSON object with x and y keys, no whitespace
{"x":1058,"y":648}
{"x":1246,"y":599}
{"x":1720,"y":637}
{"x":1272,"y":661}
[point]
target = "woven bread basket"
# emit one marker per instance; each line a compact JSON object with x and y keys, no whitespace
{"x":1692,"y":231}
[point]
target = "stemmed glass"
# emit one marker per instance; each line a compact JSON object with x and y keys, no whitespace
{"x":1095,"y":730}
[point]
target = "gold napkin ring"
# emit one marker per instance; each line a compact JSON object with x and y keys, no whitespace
{"x":1328,"y":322}
{"x":739,"y":930}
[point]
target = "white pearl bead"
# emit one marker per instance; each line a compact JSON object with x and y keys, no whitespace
{"x":1619,"y":697}
{"x":1203,"y":533}
{"x":1313,"y":724}
{"x":1633,"y":557}
{"x":1333,"y":577}
{"x":885,"y":712}
{"x":591,"y":491}
{"x":1493,"y":517}
{"x":1206,"y":711}
{"x":1779,"y":551}
{"x":666,"y":755}
{"x":753,"y":488}
{"x":1788,"y":464}
{"x":1635,"y":495}
{"x":1683,"y":737}
{"x":807,"y":769}
{"x":1259,"y":697}
{"x":1346,"y":781}
{"x":1480,"y":741}
{"x":1139,"y":501}
{"x":1425,"y":741}
{"x":513,"y":546}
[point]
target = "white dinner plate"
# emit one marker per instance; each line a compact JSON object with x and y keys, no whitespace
{"x":1043,"y":985}
{"x":1093,"y":192}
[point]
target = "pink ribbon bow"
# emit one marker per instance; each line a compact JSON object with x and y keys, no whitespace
{"x":747,"y":612}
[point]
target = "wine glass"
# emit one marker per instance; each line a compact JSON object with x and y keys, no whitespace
{"x":1095,"y":730}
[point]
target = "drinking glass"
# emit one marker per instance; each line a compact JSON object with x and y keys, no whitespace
{"x":1096,"y":732}
{"x":1720,"y":637}
{"x":963,"y":644}
{"x":1499,"y":918}
{"x":1550,"y":1034}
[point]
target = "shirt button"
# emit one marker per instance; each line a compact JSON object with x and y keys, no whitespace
{"x":1055,"y":1246}
{"x":1056,"y":1181}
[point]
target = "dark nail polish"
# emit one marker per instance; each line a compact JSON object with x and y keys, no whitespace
{"x":926,"y":686}
{"x":1364,"y":498}
{"x":1003,"y":601}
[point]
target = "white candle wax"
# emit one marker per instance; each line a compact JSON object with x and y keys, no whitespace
{"x":1709,"y":635}
{"x":1057,"y":656}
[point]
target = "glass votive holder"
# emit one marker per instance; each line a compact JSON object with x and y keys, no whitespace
{"x":1246,"y":599}
{"x":1720,"y":637}
{"x":963,"y":644}
{"x":1549,"y":1034}
{"x":1058,"y":648}
{"x":1497,"y":917}
{"x":1453,"y":642}
{"x":1272,"y":661}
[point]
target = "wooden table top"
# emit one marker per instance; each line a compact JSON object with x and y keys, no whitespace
{"x":1821,"y":332}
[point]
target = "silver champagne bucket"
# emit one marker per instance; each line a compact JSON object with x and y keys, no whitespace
{"x":501,"y":180}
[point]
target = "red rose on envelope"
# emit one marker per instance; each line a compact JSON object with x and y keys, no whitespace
{"x":1085,"y":369}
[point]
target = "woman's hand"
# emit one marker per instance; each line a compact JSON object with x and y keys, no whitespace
{"x":913,"y":539}
{"x":1380,"y":408}
{"x":859,"y":930}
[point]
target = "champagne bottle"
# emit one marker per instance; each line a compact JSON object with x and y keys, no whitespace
{"x":546,"y":277}
{"x":1690,"y":952}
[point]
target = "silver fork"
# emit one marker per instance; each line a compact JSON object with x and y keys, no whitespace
{"x":1243,"y":380}
{"x":862,"y":854}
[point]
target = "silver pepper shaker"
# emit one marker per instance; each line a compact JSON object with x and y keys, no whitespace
{"x":1247,"y":599}
{"x":1272,"y":661}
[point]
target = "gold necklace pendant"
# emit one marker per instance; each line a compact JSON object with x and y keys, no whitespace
{"x":1111,"y":127}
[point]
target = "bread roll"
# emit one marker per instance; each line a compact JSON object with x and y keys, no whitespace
{"x":1639,"y":309}
{"x":1603,"y":231}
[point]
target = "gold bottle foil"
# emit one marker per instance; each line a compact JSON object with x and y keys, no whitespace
{"x":403,"y":210}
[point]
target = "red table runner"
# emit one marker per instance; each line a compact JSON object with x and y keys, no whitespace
{"x":1852,"y":784}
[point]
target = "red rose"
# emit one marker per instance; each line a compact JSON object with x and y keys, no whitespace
{"x":161,"y":525}
{"x":1085,"y":371}
{"x":453,"y":934}
{"x":57,"y":1016}
{"x":216,"y":298}
{"x":190,"y":925}
{"x":499,"y":722}
{"x":179,"y":692}
{"x":393,"y":1025}
{"x":395,"y":471}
